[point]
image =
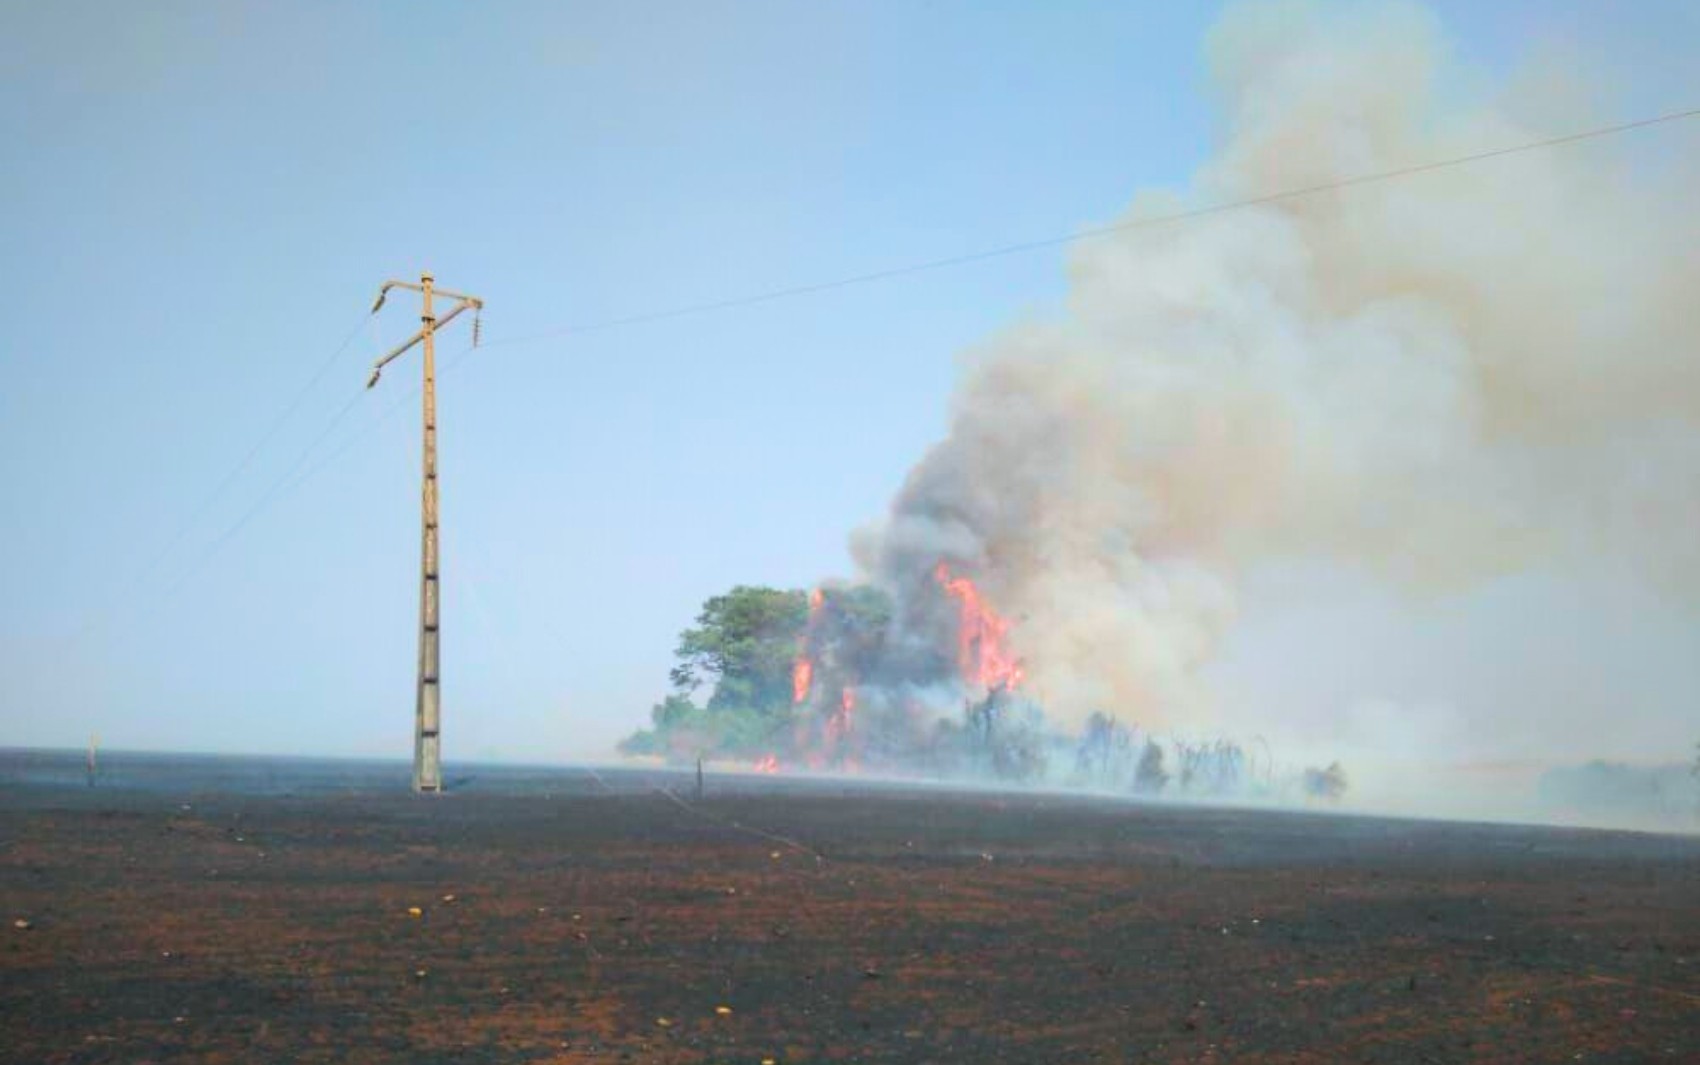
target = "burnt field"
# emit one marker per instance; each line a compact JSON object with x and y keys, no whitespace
{"x":220,"y":910}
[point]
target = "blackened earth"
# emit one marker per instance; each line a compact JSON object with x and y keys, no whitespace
{"x":219,"y":910}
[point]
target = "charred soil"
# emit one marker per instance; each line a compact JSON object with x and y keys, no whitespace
{"x":620,"y":919}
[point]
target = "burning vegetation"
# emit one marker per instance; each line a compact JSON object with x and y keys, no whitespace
{"x":923,"y":681}
{"x":1404,"y":388}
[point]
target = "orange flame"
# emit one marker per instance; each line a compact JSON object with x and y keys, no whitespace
{"x":802,"y":674}
{"x":982,"y":653}
{"x":803,"y":670}
{"x":767,"y":764}
{"x":839,"y":724}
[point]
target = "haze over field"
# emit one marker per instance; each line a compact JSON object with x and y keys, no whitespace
{"x":1402,"y":473}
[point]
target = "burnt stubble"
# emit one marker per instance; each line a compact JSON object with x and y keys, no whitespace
{"x":570,"y":917}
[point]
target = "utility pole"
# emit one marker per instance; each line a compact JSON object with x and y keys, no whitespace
{"x":428,"y":707}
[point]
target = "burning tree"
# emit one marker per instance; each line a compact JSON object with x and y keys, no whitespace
{"x":767,"y":656}
{"x":873,"y":672}
{"x":921,"y":679}
{"x":982,"y":636}
{"x":850,"y":675}
{"x":841,"y":647}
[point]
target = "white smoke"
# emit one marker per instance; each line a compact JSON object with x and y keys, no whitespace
{"x":1438,"y":379}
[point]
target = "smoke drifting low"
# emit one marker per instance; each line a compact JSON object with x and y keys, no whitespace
{"x":1438,"y":379}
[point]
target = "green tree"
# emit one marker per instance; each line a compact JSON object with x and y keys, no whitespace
{"x":744,"y":643}
{"x":672,"y":712}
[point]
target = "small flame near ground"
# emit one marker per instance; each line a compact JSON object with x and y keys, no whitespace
{"x":767,"y":764}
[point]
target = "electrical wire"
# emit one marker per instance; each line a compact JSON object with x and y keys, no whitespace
{"x":389,"y":412}
{"x":253,"y":452}
{"x":265,"y":500}
{"x":1145,"y":222}
{"x":290,"y":482}
{"x":145,"y":572}
{"x":299,"y":473}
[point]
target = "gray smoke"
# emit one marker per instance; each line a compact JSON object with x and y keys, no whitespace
{"x":1437,"y":379}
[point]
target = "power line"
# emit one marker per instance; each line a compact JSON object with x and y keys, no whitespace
{"x":207,"y":503}
{"x":289,"y":482}
{"x":265,"y":500}
{"x":284,"y":485}
{"x":359,"y":435}
{"x":253,"y":452}
{"x":375,"y":424}
{"x":1148,"y":221}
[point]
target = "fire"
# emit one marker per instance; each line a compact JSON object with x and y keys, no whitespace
{"x":767,"y":764}
{"x":839,"y":724}
{"x":825,"y":723}
{"x":803,"y":670}
{"x":982,"y":652}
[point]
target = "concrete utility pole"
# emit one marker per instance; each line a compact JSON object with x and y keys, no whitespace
{"x":428,"y":709}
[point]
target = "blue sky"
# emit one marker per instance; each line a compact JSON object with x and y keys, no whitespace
{"x":199,"y":200}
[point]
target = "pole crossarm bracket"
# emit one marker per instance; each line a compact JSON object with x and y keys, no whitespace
{"x":384,"y":291}
{"x":400,"y":349}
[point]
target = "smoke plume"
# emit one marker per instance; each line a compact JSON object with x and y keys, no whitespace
{"x":1437,"y":379}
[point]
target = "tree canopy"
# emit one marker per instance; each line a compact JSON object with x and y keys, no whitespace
{"x":742,"y":648}
{"x":744,"y":641}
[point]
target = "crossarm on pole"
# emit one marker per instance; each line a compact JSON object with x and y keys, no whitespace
{"x":397,"y":351}
{"x":384,"y":291}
